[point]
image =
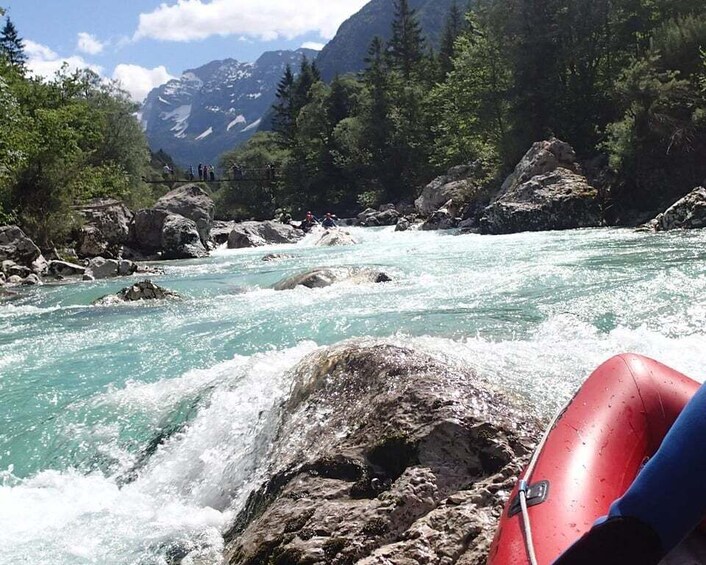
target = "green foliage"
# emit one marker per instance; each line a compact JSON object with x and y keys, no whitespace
{"x":472,"y":106}
{"x":64,"y":141}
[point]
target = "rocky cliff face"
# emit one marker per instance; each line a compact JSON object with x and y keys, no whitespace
{"x":215,"y":107}
{"x":384,"y":455}
{"x":346,"y":52}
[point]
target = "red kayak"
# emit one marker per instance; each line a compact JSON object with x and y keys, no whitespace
{"x":591,"y":456}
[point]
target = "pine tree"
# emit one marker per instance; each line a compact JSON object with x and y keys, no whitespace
{"x":378,"y":112}
{"x":284,"y":119}
{"x":307,"y":77}
{"x":452,"y":29}
{"x":406,"y":47}
{"x":11,"y":45}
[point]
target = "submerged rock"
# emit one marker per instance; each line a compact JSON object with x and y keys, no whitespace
{"x":143,"y":290}
{"x":276,"y":257}
{"x":335,"y":237}
{"x":323,"y":277}
{"x":384,"y":455}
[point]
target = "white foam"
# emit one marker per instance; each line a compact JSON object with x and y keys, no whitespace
{"x":186,"y":491}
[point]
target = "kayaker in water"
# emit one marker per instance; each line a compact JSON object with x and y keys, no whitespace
{"x":308,"y":222}
{"x":663,"y":505}
{"x":328,"y":221}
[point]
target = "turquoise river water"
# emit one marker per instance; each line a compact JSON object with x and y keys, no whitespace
{"x":133,"y":433}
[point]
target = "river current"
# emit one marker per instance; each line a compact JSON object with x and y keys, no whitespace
{"x":132,"y":434}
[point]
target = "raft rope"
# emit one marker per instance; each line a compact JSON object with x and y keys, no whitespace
{"x":525,"y":483}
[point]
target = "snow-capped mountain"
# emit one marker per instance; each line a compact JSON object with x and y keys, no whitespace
{"x":213,"y":108}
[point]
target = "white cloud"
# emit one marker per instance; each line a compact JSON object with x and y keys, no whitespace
{"x":190,"y":20}
{"x":38,"y":52}
{"x":138,"y":81}
{"x":44,"y":62}
{"x":89,"y":44}
{"x":313,"y":45}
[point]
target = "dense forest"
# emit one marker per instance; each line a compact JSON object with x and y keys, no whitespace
{"x":623,"y":81}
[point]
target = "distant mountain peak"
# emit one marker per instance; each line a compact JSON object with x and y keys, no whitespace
{"x":211,"y":109}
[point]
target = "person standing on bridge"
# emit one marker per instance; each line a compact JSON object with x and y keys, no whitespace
{"x":211,"y":173}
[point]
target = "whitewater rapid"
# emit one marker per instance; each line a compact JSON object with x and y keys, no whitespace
{"x":134,"y":433}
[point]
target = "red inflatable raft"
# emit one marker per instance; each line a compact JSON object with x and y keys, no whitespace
{"x":591,"y":456}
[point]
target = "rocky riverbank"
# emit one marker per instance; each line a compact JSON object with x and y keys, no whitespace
{"x":384,"y":455}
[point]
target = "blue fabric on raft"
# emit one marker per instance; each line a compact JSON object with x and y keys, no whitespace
{"x":669,"y":494}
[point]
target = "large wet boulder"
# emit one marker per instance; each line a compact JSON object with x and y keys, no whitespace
{"x":554,"y":201}
{"x":384,"y":455}
{"x":257,"y":234}
{"x":322,"y":277}
{"x":181,"y":239}
{"x":193,"y":203}
{"x":143,"y":290}
{"x":172,"y":235}
{"x":92,"y":243}
{"x":334,"y":238}
{"x":16,"y":246}
{"x":545,"y":192}
{"x":687,"y":213}
{"x":458,"y":185}
{"x":107,"y":227}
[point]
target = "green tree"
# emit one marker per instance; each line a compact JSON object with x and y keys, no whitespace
{"x":452,"y":29}
{"x":472,"y":106}
{"x":406,"y":46}
{"x":284,"y":119}
{"x":11,"y":45}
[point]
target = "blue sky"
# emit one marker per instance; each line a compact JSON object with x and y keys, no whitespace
{"x":144,"y":43}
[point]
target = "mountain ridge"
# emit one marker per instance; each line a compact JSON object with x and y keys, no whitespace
{"x":214,"y":107}
{"x":221,"y":104}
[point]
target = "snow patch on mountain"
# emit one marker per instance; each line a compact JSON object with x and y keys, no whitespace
{"x":215,"y":107}
{"x":252,"y":126}
{"x":208,"y":132}
{"x":239,"y":120}
{"x":179,"y":118}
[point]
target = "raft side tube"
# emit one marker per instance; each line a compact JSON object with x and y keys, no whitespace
{"x":615,"y":421}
